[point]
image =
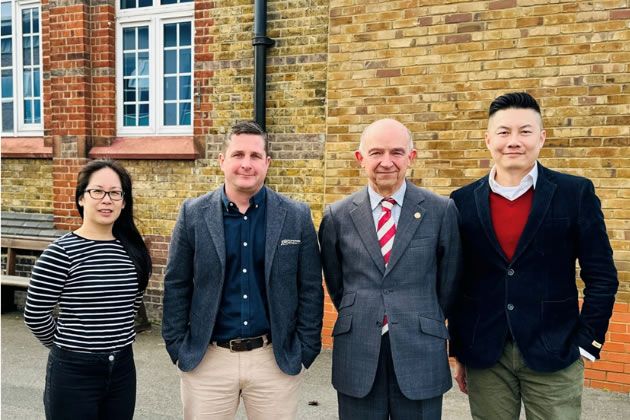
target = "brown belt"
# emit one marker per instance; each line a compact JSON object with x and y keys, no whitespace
{"x":245,"y":344}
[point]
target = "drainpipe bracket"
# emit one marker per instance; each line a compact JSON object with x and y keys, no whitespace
{"x":263,"y":40}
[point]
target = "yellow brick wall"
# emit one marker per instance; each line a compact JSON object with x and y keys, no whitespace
{"x":27,"y":185}
{"x":437,"y":65}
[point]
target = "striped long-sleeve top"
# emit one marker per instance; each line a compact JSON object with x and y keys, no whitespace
{"x":96,"y":286}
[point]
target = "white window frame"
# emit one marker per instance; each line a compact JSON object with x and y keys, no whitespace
{"x":20,"y":129}
{"x":155,"y":17}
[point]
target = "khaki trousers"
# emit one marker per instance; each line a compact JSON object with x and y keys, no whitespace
{"x":495,"y":393}
{"x":213,"y":389}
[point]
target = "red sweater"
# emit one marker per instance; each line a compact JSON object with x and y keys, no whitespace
{"x":509,"y":218}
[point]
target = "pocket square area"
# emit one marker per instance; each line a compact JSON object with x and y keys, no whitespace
{"x":290,"y":242}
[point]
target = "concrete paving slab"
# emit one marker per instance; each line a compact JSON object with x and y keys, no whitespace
{"x":158,"y":398}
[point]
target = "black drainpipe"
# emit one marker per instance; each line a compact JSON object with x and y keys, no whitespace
{"x":260,"y":43}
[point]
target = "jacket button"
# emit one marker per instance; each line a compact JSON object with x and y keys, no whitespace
{"x":510,"y":307}
{"x":510,"y":272}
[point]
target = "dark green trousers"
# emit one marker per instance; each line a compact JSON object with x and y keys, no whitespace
{"x":496,"y":393}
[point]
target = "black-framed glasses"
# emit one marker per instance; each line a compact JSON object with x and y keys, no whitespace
{"x":100,"y":194}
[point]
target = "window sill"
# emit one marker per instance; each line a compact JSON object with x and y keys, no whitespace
{"x":25,"y":147}
{"x":182,"y":148}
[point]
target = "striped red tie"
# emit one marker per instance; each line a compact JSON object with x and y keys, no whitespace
{"x":386,"y":230}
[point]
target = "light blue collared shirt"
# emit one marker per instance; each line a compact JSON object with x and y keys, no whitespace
{"x":375,"y":202}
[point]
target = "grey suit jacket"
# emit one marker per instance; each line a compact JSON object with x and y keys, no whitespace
{"x":416,"y":290}
{"x":195,"y":274}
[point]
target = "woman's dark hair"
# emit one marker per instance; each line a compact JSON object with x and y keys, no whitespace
{"x":125,"y":229}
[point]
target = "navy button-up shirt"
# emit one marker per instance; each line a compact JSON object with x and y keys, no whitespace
{"x":243,"y":311}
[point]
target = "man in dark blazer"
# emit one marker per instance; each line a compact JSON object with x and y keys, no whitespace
{"x":389,"y":355}
{"x":517,"y":331}
{"x":243,"y":295}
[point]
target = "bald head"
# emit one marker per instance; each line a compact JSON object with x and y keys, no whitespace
{"x":386,"y":126}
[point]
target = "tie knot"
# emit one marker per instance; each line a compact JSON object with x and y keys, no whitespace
{"x":388,"y":203}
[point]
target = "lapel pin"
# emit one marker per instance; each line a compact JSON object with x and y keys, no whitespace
{"x":417,"y":215}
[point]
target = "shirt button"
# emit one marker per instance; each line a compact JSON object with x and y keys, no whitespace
{"x":231,"y":204}
{"x":111,"y":358}
{"x":510,"y":272}
{"x":244,"y":217}
{"x":256,"y":205}
{"x":510,"y":307}
{"x":245,"y":323}
{"x":244,"y":243}
{"x":244,"y":296}
{"x":244,"y":270}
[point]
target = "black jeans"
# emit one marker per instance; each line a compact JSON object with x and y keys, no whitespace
{"x":94,"y":386}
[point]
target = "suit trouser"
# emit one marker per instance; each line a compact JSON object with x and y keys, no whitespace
{"x":385,"y":400}
{"x":213,"y":389}
{"x":495,"y":393}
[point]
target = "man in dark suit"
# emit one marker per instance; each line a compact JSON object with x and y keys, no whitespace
{"x":391,"y":257}
{"x":517,"y":331}
{"x":243,"y":295}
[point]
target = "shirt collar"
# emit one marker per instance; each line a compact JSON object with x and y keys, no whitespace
{"x":376,"y":198}
{"x":257,"y":200}
{"x":512,"y":193}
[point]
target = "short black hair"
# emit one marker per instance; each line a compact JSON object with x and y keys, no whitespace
{"x":246,"y":127}
{"x":520,"y":100}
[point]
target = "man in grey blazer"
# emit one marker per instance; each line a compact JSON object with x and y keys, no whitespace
{"x":392,"y":272}
{"x":243,"y":295}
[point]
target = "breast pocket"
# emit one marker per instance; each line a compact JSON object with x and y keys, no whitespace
{"x":287,"y":258}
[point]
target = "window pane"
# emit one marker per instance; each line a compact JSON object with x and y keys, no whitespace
{"x":36,"y":83}
{"x":143,"y":63}
{"x":129,"y":64}
{"x":143,"y":88}
{"x":129,"y":92}
{"x":26,"y":21}
{"x":35,"y":20}
{"x":184,"y":113}
{"x":130,"y":115}
{"x":146,"y":3}
{"x":184,"y":87}
{"x":6,"y":21}
{"x":38,"y":112}
{"x":28,"y":114}
{"x":143,"y":115}
{"x":184,"y":60}
{"x":7,"y":83}
{"x":36,"y":50}
{"x":7,"y":55}
{"x":28,"y":84}
{"x":170,"y":61}
{"x":143,"y":38}
{"x":170,"y":88}
{"x":185,"y":1}
{"x":129,"y":39}
{"x":169,"y":1}
{"x":170,"y":114}
{"x":127,"y":4}
{"x":7,"y":117}
{"x":26,"y":46}
{"x":170,"y":35}
{"x":184,"y":33}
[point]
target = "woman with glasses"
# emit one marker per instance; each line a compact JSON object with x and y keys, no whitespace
{"x":97,"y":275}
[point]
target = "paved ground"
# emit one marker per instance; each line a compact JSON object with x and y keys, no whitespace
{"x":24,"y":361}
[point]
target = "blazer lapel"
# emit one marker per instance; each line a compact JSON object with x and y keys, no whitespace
{"x":411,"y":206}
{"x":213,"y":215}
{"x":275,"y":214}
{"x":363,"y":221}
{"x":543,"y":194}
{"x":482,"y":202}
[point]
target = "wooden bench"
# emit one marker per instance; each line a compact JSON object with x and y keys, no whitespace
{"x":13,"y":243}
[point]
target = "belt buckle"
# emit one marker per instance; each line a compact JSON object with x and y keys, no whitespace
{"x":235,"y":341}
